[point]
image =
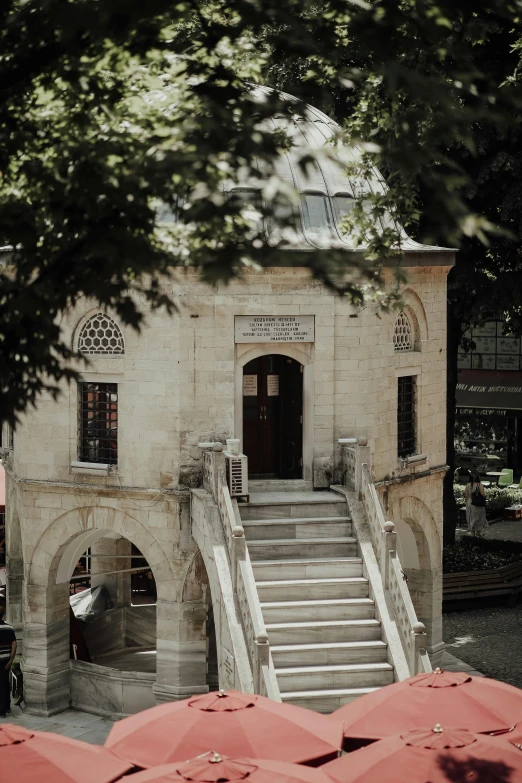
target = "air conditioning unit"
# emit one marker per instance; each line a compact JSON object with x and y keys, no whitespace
{"x":237,"y":474}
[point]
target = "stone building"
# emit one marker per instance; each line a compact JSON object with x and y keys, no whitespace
{"x":288,"y":368}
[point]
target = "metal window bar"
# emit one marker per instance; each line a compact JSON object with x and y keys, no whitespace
{"x":98,"y":423}
{"x":406,"y":416}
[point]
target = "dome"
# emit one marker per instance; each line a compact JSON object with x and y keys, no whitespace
{"x":326,"y":191}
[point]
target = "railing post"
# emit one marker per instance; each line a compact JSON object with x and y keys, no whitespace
{"x":362,"y":455}
{"x":420,"y":639}
{"x":238,"y":553}
{"x":390,"y":545}
{"x":262,"y":648}
{"x":219,"y":466}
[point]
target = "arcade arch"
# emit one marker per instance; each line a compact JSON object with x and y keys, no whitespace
{"x":420,"y":553}
{"x":46,"y":642}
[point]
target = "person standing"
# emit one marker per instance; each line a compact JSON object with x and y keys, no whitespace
{"x":7,"y":654}
{"x":476,"y":506}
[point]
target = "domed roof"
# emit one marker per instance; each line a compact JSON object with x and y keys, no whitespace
{"x":327,"y":192}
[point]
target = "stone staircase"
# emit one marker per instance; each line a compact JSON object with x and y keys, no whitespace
{"x":325,"y":640}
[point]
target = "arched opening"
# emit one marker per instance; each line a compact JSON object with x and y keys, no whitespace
{"x":418,"y":547}
{"x":273,"y":417}
{"x":112,"y":596}
{"x":52,"y":682}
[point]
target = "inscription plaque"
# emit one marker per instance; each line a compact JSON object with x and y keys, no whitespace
{"x":274,"y":328}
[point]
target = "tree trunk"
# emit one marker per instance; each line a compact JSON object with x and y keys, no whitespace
{"x":450,"y":508}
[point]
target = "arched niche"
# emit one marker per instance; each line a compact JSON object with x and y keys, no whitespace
{"x":413,"y":514}
{"x":406,"y":545}
{"x":413,"y":304}
{"x":109,"y":323}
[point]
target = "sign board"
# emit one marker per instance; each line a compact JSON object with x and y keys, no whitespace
{"x":482,"y":389}
{"x":275,"y":328}
{"x":249,"y":385}
{"x":272,"y":385}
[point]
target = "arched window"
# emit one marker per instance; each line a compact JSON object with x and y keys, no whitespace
{"x":403,"y":334}
{"x":101,"y":335}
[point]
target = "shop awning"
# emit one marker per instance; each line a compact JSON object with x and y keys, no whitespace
{"x":496,"y":391}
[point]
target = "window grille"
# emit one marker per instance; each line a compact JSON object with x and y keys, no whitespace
{"x":406,"y":416}
{"x":403,"y":335}
{"x":98,"y":423}
{"x":101,"y":335}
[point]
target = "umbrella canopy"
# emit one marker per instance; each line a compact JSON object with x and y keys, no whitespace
{"x":212,"y":767}
{"x":431,"y":756}
{"x":238,"y":724}
{"x":40,"y":757}
{"x":515,"y":736}
{"x":477,"y":704}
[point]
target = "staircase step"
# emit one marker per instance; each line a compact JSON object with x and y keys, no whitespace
{"x":291,"y":655}
{"x":359,"y":675}
{"x":313,"y":589}
{"x":304,"y":568}
{"x":282,"y":548}
{"x":323,"y":632}
{"x":298,"y":504}
{"x":333,"y":609}
{"x":302,"y":527}
{"x":325,"y":701}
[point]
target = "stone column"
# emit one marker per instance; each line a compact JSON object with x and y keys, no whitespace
{"x":15,"y":574}
{"x":181,"y":650}
{"x":46,"y":650}
{"x":112,"y":554}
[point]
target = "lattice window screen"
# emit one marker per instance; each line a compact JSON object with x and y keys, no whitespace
{"x":101,"y":335}
{"x":403,"y":335}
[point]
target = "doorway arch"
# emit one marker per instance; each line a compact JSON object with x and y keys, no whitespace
{"x":303,"y":355}
{"x":273,"y":417}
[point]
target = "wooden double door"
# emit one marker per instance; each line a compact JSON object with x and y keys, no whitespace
{"x":273,"y":417}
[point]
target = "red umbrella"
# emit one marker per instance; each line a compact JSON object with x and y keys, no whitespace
{"x":452,"y":698}
{"x":431,"y":756}
{"x":515,"y":736}
{"x":239,"y":724}
{"x":39,"y":757}
{"x":211,"y":768}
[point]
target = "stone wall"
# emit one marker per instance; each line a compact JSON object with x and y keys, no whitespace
{"x":179,"y":382}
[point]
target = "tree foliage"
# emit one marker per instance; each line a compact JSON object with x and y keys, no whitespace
{"x":107,"y":109}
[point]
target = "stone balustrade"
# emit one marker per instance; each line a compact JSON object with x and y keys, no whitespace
{"x":244,"y":585}
{"x":357,"y":477}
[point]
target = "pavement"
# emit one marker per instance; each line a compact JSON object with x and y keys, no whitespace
{"x":77,"y":725}
{"x":487,"y":638}
{"x":507,"y":531}
{"x":488,"y":635}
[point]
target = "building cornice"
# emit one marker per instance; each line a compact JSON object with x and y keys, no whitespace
{"x":387,"y":482}
{"x":145,"y":493}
